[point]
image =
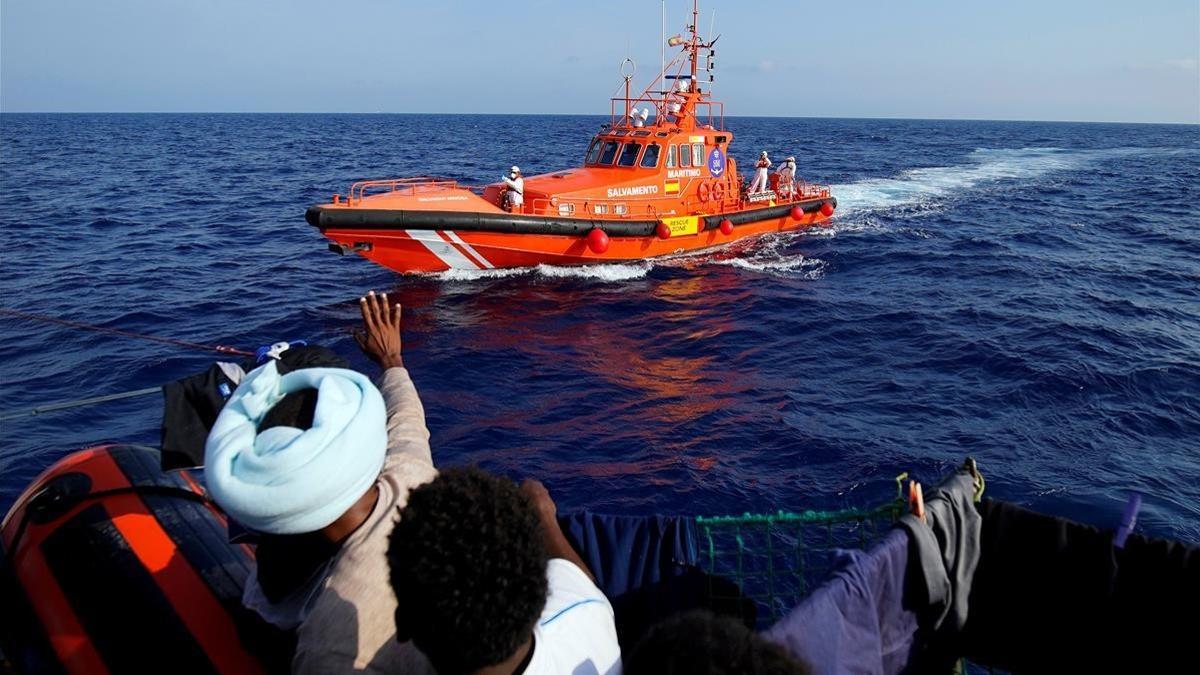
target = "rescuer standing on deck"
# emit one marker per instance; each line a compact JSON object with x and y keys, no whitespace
{"x":515,"y":196}
{"x":787,"y":176}
{"x":760,"y":174}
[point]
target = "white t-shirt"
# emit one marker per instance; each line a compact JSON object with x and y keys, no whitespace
{"x":575,"y":635}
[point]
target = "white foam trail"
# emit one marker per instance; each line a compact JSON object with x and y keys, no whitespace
{"x":794,"y":266}
{"x":860,"y":198}
{"x":601,"y":272}
{"x":916,"y":186}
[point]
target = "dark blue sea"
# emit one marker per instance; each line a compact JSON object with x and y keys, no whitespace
{"x":1025,"y":293}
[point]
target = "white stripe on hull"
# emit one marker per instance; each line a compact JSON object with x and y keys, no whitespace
{"x":470,"y":249}
{"x":445,"y":251}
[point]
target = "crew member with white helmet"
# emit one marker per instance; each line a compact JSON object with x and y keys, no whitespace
{"x":787,"y":176}
{"x":514,"y":197}
{"x":760,"y":174}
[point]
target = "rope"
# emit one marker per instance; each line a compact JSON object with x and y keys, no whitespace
{"x":51,"y":407}
{"x":220,"y":349}
{"x":807,"y":517}
{"x":775,"y":559}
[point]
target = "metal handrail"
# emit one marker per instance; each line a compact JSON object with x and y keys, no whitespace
{"x":409,"y":185}
{"x":648,"y":206}
{"x":715,"y":110}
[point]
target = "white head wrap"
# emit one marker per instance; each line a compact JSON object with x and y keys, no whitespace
{"x":287,"y":480}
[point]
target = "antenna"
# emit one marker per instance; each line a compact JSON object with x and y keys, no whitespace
{"x":628,"y":76}
{"x":711,"y":25}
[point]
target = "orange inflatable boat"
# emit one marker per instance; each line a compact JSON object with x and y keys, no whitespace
{"x":651,"y":184}
{"x":109,"y":564}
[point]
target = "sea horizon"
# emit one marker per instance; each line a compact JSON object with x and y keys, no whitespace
{"x":576,"y":114}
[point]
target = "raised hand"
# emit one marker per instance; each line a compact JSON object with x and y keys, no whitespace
{"x":380,"y":337}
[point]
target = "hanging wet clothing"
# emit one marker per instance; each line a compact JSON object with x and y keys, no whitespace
{"x":945,"y":552}
{"x":1055,"y":595}
{"x":647,"y":566}
{"x":856,"y":622}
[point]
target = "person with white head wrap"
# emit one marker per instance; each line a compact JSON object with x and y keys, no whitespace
{"x":287,"y":480}
{"x":324,"y":497}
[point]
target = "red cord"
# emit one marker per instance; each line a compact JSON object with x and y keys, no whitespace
{"x":221,"y":349}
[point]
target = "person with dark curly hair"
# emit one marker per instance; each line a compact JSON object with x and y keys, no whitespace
{"x":487,"y":583}
{"x":702,"y":643}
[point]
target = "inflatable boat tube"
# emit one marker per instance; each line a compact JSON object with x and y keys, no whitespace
{"x":109,"y":564}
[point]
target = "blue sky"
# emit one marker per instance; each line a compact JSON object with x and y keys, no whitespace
{"x":1049,"y":60}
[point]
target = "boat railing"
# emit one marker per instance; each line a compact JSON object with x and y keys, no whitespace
{"x":711,"y":113}
{"x":407,"y":186}
{"x":649,"y":207}
{"x":806,"y":190}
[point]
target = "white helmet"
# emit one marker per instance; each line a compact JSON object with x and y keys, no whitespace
{"x":791,"y":160}
{"x":763,"y":153}
{"x":515,"y":169}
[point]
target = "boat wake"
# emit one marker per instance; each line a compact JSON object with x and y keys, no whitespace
{"x":793,"y":265}
{"x":602,"y":272}
{"x":859,"y":209}
{"x":919,"y":186}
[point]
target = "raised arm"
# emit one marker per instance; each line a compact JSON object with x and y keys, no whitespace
{"x":380,"y":341}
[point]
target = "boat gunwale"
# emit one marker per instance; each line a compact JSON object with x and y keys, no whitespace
{"x":325,"y":219}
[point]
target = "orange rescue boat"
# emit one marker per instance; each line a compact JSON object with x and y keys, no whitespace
{"x":648,"y":187}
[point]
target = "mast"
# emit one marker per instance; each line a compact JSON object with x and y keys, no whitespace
{"x":695,"y":43}
{"x":662,"y":67}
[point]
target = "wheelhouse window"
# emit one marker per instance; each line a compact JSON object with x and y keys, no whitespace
{"x":629,"y":154}
{"x":697,"y":154}
{"x":650,"y":157}
{"x":671,"y":156}
{"x":593,"y":152}
{"x":609,"y":153}
{"x":685,"y":155}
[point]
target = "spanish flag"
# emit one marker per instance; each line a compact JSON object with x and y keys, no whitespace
{"x":671,"y":187}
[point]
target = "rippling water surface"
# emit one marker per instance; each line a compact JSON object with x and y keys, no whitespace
{"x":1026,"y":293}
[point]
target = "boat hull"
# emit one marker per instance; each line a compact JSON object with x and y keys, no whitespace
{"x":466,"y":244}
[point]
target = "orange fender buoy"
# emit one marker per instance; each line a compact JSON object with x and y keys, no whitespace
{"x":827,"y":209}
{"x":797,"y":213}
{"x":726,"y":226}
{"x":664,"y":231}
